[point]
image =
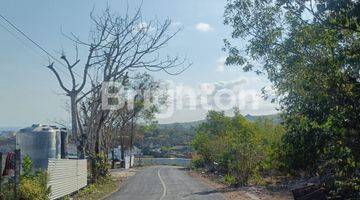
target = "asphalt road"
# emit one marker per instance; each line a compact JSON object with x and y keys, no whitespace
{"x":164,"y":183}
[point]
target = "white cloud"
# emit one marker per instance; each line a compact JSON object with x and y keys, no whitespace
{"x":204,"y":27}
{"x":239,"y":91}
{"x":220,"y":64}
{"x":247,"y":98}
{"x":197,"y":99}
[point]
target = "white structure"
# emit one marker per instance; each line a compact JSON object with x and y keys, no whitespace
{"x":66,"y":176}
{"x":45,"y":145}
{"x":39,"y":142}
{"x":129,"y":156}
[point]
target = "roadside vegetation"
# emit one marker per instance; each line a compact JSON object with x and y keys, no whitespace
{"x":103,"y":186}
{"x":239,"y":149}
{"x":309,"y":50}
{"x":33,"y":184}
{"x":174,"y":140}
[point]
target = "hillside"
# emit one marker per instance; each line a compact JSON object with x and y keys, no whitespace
{"x":275,"y":118}
{"x":168,"y":135}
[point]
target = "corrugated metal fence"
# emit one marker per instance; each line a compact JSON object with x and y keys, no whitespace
{"x":66,"y":176}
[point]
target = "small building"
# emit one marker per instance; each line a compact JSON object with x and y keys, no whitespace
{"x":129,"y":156}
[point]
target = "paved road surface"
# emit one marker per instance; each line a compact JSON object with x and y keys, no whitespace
{"x":164,"y":183}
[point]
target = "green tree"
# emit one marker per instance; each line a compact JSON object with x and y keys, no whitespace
{"x":207,"y":134}
{"x":310,"y":52}
{"x":235,"y":146}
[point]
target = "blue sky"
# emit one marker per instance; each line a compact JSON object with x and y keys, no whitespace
{"x":29,"y":93}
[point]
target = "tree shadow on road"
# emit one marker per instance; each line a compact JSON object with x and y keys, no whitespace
{"x":214,"y":191}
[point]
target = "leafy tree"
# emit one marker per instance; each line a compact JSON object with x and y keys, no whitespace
{"x":271,"y":136}
{"x":235,"y":146}
{"x":310,"y":52}
{"x":207,"y":136}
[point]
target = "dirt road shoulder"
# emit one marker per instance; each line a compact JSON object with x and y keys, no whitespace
{"x":241,"y":193}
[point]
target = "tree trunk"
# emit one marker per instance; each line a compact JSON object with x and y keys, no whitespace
{"x":112,"y":159}
{"x":74,"y":126}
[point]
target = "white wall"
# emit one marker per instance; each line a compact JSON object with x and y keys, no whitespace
{"x":66,"y":176}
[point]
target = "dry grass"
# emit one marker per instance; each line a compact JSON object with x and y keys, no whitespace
{"x":240,"y":193}
{"x":99,"y":190}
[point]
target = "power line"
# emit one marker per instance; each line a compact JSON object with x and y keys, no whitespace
{"x":22,"y":41}
{"x":27,"y":37}
{"x":27,"y":45}
{"x":32,"y":41}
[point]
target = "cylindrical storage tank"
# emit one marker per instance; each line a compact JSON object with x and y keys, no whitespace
{"x":39,"y":142}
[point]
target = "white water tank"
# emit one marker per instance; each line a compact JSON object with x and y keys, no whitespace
{"x":39,"y":142}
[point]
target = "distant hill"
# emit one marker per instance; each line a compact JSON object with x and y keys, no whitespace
{"x":7,"y":141}
{"x":175,"y":134}
{"x":183,"y":124}
{"x":5,"y":129}
{"x":275,"y":118}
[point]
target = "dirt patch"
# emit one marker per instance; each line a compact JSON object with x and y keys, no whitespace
{"x":241,"y":193}
{"x":123,"y":173}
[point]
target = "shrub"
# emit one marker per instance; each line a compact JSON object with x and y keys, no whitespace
{"x":230,"y":145}
{"x":7,"y":190}
{"x":33,"y":189}
{"x":197,"y":161}
{"x":99,"y":166}
{"x":230,"y":179}
{"x":33,"y":185}
{"x":237,"y":147}
{"x":27,"y":167}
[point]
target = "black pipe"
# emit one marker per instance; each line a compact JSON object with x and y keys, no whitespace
{"x":64,"y":141}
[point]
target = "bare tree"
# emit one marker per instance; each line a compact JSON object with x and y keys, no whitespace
{"x":107,"y":129}
{"x":118,"y":44}
{"x":75,"y":88}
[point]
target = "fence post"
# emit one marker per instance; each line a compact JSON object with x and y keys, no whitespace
{"x":17,"y":173}
{"x":1,"y":171}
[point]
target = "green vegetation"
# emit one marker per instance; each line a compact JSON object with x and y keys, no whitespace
{"x":169,"y":137}
{"x":33,"y":185}
{"x":100,"y":167}
{"x":236,"y":147}
{"x":162,"y":140}
{"x":103,"y":187}
{"x":310,"y":52}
